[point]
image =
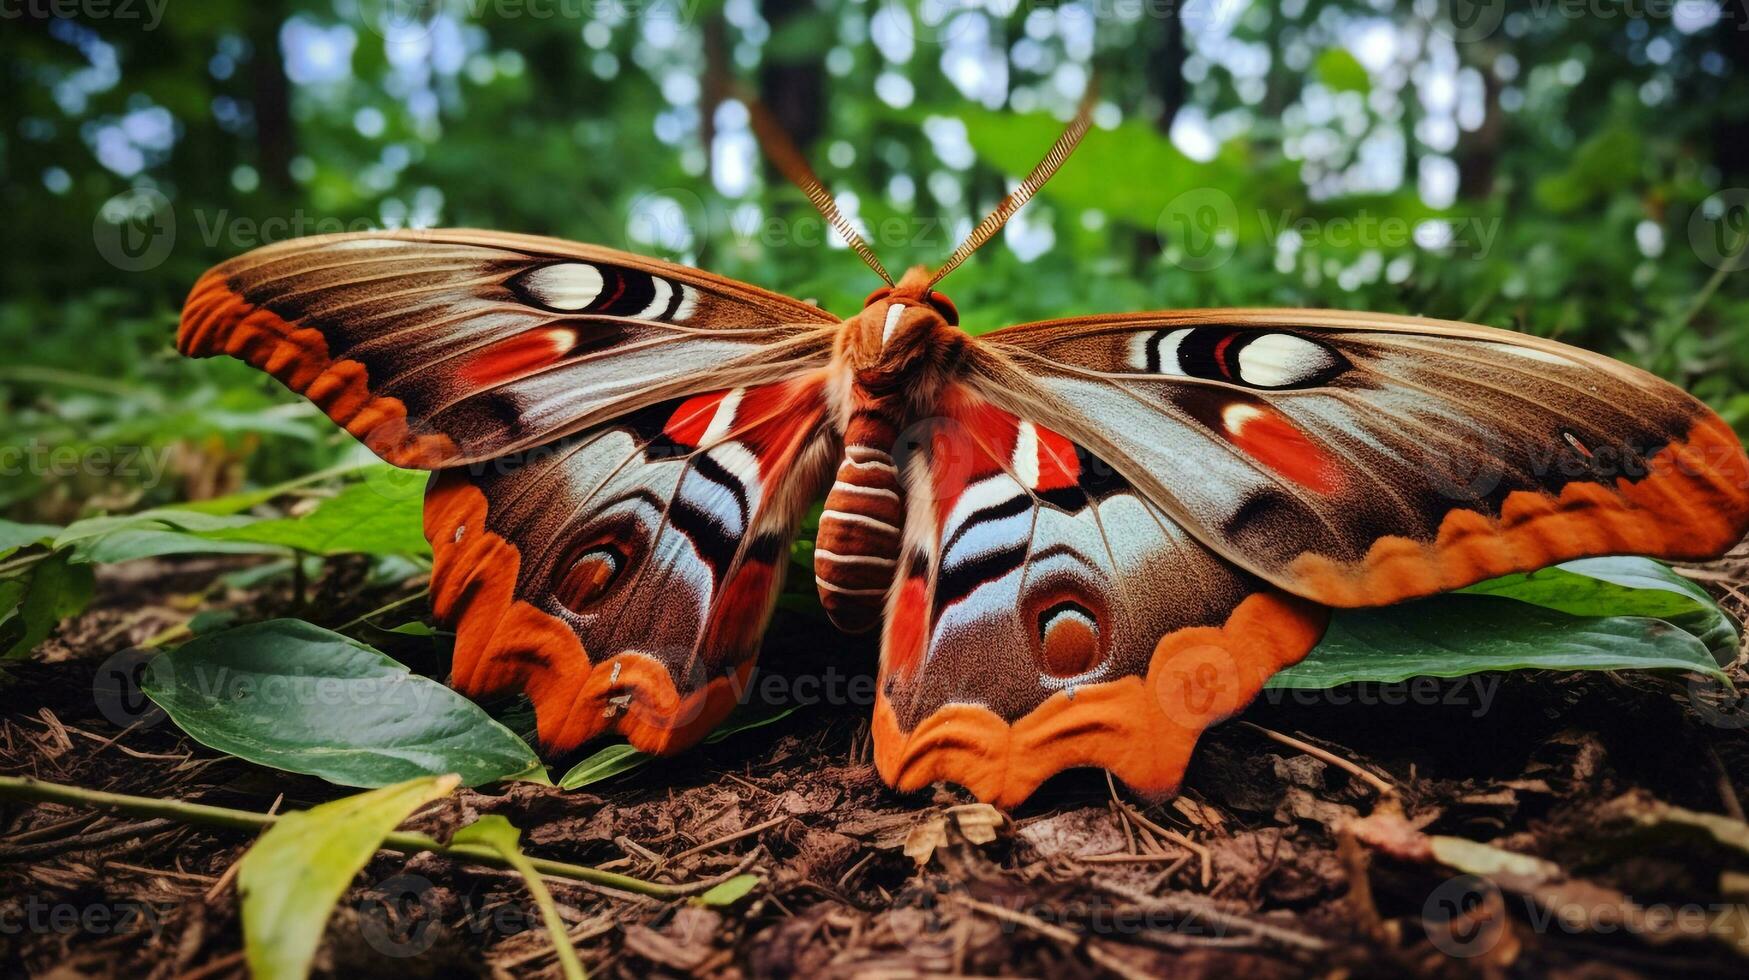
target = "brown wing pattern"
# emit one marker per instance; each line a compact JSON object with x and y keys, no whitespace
{"x":444,"y":347}
{"x":622,"y":576}
{"x":1049,"y":616}
{"x":1360,"y":459}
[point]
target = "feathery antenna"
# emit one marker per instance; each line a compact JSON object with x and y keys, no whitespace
{"x":789,"y":160}
{"x":1047,"y":167}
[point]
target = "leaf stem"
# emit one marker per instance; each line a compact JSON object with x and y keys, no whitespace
{"x":26,"y":788}
{"x":8,"y":567}
{"x":378,"y":611}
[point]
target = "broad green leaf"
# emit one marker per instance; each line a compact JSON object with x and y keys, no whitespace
{"x":291,"y":878}
{"x":147,"y":534}
{"x":52,"y":590}
{"x":622,"y":758}
{"x":1623,"y":587}
{"x":1013,"y":142}
{"x":294,"y":696}
{"x":496,"y":833}
{"x":380,"y":515}
{"x":729,"y":892}
{"x":1454,"y":635}
{"x":1342,"y":72}
{"x":128,"y":544}
{"x":15,"y":536}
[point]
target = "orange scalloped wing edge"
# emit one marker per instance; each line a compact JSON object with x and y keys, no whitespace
{"x":506,"y":644}
{"x":1693,"y":504}
{"x":218,"y":320}
{"x":1141,"y":728}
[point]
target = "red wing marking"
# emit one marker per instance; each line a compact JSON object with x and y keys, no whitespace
{"x":1267,"y":436}
{"x":517,"y":356}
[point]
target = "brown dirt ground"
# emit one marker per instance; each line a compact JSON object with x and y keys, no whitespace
{"x":1539,"y":764}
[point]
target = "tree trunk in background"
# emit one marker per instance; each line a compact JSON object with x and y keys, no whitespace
{"x":275,"y":141}
{"x":1165,"y":78}
{"x":713,"y":86}
{"x":1731,"y":135}
{"x":792,"y":88}
{"x":1478,"y":153}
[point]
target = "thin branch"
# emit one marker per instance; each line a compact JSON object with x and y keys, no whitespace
{"x":1324,"y":755}
{"x":26,"y":788}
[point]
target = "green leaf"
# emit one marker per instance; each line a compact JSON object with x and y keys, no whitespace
{"x":1623,"y":587}
{"x":605,"y":764}
{"x":53,"y":589}
{"x":414,"y":628}
{"x":294,"y":696}
{"x":1454,"y":635}
{"x":496,"y":833}
{"x":291,"y":878}
{"x":729,"y":892}
{"x":1340,"y":71}
{"x":381,"y":515}
{"x":14,"y":536}
{"x":149,"y":534}
{"x":1600,"y":166}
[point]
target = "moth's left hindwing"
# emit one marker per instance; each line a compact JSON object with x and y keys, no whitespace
{"x":624,"y":445}
{"x":623,"y":576}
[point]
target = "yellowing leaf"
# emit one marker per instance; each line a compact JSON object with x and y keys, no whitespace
{"x":291,"y":878}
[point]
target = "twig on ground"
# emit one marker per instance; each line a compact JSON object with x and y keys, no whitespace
{"x":26,"y":788}
{"x":1324,"y":755}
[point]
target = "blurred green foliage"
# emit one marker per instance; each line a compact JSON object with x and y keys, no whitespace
{"x":1570,"y":170}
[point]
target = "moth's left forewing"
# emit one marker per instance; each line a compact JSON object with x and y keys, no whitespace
{"x":1362,"y":459}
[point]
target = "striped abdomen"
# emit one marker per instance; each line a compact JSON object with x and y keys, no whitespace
{"x":857,"y":551}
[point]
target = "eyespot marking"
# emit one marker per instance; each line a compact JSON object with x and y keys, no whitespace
{"x":1264,"y":359}
{"x":1069,"y":643}
{"x":566,"y":286}
{"x":589,"y":577}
